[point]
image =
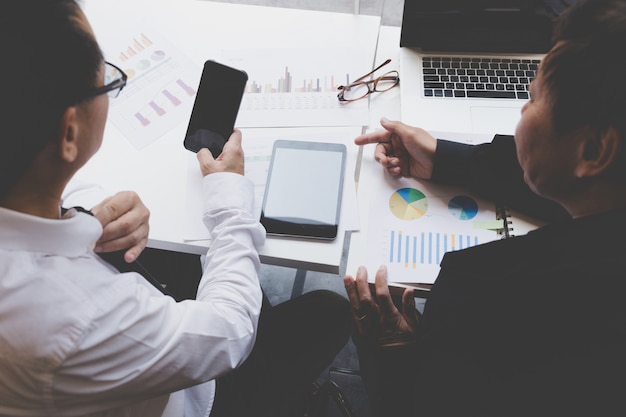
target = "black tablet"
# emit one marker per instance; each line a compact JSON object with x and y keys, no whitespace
{"x":304,"y":188}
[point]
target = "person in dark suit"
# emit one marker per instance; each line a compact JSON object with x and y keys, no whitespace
{"x":535,"y":324}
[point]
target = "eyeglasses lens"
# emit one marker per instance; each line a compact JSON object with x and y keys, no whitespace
{"x":355,"y":91}
{"x":387,"y":81}
{"x":112,"y":75}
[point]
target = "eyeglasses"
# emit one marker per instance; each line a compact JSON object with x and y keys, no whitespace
{"x":114,"y":82}
{"x":359,"y":89}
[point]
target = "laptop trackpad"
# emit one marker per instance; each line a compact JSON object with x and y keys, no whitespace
{"x":495,"y":120}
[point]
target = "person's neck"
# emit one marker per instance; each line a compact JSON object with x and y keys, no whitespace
{"x":599,"y":199}
{"x":43,"y":204}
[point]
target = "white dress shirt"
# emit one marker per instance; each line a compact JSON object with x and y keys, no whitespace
{"x":78,"y":338}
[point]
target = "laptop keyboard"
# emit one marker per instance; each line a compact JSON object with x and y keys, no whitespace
{"x":460,"y":77}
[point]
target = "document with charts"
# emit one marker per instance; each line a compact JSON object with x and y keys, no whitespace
{"x":411,"y":224}
{"x":292,"y":87}
{"x":162,"y":80}
{"x":161,"y":87}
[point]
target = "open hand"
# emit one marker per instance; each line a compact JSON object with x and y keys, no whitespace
{"x":376,"y":316}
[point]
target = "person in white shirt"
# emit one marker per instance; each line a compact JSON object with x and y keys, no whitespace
{"x":79,"y":338}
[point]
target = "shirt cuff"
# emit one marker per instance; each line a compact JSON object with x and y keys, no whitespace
{"x":452,"y":161}
{"x":227,"y":191}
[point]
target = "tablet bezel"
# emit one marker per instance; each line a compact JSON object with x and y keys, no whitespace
{"x":297,"y":227}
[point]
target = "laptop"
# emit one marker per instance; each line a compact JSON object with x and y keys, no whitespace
{"x":466,"y":65}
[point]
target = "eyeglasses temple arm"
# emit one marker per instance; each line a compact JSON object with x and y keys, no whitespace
{"x":371,"y":72}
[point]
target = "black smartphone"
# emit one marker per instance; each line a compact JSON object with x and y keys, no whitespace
{"x":303,"y":190}
{"x":215,"y":108}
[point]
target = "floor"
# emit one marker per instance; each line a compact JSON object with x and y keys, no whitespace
{"x":281,"y":283}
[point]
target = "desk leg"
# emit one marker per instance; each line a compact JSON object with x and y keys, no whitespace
{"x":298,"y":283}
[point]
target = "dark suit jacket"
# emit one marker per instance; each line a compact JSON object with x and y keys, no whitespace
{"x":532,"y":325}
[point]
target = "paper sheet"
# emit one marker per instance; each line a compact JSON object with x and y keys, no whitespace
{"x":410,"y":224}
{"x":292,"y":87}
{"x":161,"y":86}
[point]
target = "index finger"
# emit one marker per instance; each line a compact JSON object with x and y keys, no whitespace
{"x":234,"y":139}
{"x":109,"y":210}
{"x":379,"y":136}
{"x":383,"y":297}
{"x":363,"y":288}
{"x":353,"y":295}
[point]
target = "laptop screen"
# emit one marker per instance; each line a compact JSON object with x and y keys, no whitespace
{"x":497,"y":26}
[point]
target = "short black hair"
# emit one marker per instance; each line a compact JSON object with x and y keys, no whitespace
{"x":584,"y":73}
{"x":50,"y":63}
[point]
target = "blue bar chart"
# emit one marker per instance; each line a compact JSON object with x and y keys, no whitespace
{"x":425,"y":248}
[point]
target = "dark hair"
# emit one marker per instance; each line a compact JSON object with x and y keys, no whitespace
{"x":584,"y":72}
{"x":50,"y":63}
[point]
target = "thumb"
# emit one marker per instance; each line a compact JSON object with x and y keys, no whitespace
{"x":204,"y":156}
{"x":390,"y":125}
{"x":409,"y":310}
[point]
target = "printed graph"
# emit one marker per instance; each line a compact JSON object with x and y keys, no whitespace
{"x":137,"y":45}
{"x":411,"y":204}
{"x":463,"y":207}
{"x":408,"y":204}
{"x":167,"y":98}
{"x":160,"y":89}
{"x":298,"y":86}
{"x":425,"y":248}
{"x":285,"y":84}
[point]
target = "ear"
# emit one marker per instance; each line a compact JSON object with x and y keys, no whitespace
{"x":599,"y":151}
{"x":68,"y":135}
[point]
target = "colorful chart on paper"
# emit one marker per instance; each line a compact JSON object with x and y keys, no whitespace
{"x":463,"y":207}
{"x":408,"y":204}
{"x":418,"y":222}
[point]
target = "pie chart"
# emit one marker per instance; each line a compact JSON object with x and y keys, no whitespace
{"x":463,"y":207}
{"x":408,"y":204}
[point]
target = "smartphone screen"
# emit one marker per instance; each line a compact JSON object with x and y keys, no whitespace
{"x":304,"y":188}
{"x":215,"y":107}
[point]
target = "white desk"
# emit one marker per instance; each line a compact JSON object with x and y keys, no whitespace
{"x":382,"y":105}
{"x":200,"y":29}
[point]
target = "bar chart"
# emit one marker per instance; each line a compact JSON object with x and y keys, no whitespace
{"x":298,"y":86}
{"x":417,"y":222}
{"x":285,"y":84}
{"x":425,"y":248}
{"x":160,"y":89}
{"x":170,"y":96}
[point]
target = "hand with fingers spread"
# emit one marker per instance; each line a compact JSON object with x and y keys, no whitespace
{"x":124,"y":220}
{"x":402,"y":150}
{"x":376,"y":316}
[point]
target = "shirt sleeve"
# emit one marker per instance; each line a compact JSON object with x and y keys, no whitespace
{"x":399,"y":370}
{"x":492,"y":171}
{"x":139,"y":344}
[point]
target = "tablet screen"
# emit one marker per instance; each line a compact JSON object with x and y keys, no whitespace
{"x":304,"y":188}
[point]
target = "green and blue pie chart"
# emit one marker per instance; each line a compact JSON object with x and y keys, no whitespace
{"x":408,"y":204}
{"x":463,"y":207}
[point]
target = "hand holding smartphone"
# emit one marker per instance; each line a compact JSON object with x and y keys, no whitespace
{"x":215,"y":108}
